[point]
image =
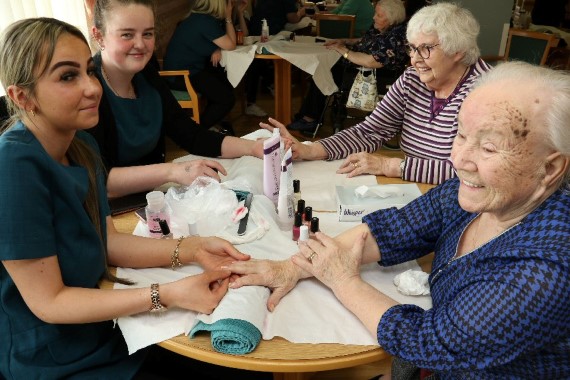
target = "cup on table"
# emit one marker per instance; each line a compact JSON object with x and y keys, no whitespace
{"x":249,"y":40}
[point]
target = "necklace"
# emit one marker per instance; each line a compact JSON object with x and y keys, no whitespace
{"x":131,"y":93}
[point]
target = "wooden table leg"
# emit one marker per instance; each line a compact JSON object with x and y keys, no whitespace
{"x":282,"y":90}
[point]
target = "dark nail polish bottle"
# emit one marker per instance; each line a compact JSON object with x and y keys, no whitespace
{"x":314,"y":225}
{"x":308,"y":216}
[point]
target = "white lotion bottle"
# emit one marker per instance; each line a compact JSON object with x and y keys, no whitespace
{"x":156,"y":211}
{"x":264,"y":31}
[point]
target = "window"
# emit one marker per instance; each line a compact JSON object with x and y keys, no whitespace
{"x":71,"y":11}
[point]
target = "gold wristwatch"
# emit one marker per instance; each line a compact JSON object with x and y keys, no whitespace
{"x":345,"y":55}
{"x":157,"y":307}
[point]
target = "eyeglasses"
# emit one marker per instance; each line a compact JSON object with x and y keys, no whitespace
{"x":423,"y":50}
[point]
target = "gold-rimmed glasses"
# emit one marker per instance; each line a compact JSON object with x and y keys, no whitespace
{"x":423,"y":50}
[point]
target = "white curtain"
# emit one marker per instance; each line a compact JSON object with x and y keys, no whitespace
{"x":71,"y":11}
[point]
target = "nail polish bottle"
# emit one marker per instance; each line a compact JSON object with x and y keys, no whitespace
{"x":308,"y":216}
{"x":297,"y":190}
{"x":314,"y":226}
{"x":297,"y":225}
{"x":166,"y":234}
{"x":301,"y":206}
{"x":303,"y":233}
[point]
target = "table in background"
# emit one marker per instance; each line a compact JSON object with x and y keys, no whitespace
{"x":303,"y":54}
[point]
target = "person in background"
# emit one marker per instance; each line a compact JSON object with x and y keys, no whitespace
{"x":499,"y":232}
{"x":277,"y":13}
{"x":257,"y":67}
{"x":196,"y":46}
{"x":55,"y":322}
{"x":422,"y":105}
{"x":382,"y":47}
{"x":138,"y":110}
{"x":362,"y":9}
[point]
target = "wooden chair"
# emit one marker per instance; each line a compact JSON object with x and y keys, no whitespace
{"x":335,"y":26}
{"x":186,"y":99}
{"x":529,"y":46}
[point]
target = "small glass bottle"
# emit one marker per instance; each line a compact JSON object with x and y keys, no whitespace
{"x":297,"y":190}
{"x":156,"y":211}
{"x":264,"y":31}
{"x":239,"y":36}
{"x":301,"y":206}
{"x":314,"y":226}
{"x":303,"y":233}
{"x":297,"y":226}
{"x":308,"y":216}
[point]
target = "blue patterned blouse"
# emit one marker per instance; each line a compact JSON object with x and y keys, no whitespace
{"x":499,"y":312}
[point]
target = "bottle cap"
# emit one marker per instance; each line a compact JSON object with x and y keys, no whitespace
{"x":298,"y":219}
{"x":314,"y":224}
{"x":164,"y":226}
{"x":301,"y":206}
{"x":308,"y":213}
{"x":296,"y":186}
{"x":155,"y":200}
{"x":303,"y":233}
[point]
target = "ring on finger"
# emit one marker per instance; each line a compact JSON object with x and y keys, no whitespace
{"x":312,"y":256}
{"x":355,"y":164}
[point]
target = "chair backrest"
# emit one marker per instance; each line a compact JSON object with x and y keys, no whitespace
{"x":188,"y":98}
{"x":529,"y":46}
{"x":335,"y":26}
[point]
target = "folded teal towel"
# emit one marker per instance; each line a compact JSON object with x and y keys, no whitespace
{"x":231,"y":336}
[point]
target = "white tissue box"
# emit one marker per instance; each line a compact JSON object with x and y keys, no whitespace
{"x":352,"y":208}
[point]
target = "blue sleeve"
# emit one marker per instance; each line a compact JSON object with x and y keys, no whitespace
{"x":410,"y":232}
{"x":26,"y":201}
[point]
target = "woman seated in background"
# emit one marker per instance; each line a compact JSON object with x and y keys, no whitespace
{"x":382,"y":47}
{"x":55,"y":322}
{"x":422,"y":104}
{"x":137,"y":109}
{"x":196,"y":45}
{"x":500,"y":234}
{"x":362,"y":9}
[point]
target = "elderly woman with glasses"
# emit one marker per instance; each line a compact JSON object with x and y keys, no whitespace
{"x":422,"y":105}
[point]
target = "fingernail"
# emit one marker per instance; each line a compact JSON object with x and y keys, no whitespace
{"x":231,"y":284}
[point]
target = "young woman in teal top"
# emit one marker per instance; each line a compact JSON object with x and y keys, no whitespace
{"x":58,"y":236}
{"x":362,"y":9}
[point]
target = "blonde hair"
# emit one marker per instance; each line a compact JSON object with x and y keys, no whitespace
{"x":26,"y":50}
{"x":216,"y":8}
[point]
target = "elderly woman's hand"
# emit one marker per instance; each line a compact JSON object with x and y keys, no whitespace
{"x":186,"y":172}
{"x":300,"y":151}
{"x":366,"y":163}
{"x":330,"y":263}
{"x":279,"y":276}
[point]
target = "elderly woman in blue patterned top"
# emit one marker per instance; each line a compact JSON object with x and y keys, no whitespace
{"x":501,"y":237}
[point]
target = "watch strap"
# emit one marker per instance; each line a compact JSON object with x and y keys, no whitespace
{"x":155,"y":300}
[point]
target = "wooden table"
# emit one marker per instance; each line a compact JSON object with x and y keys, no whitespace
{"x":287,"y":361}
{"x":282,"y":70}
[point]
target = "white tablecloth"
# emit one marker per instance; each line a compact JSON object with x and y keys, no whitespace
{"x":304,"y":53}
{"x":309,"y":313}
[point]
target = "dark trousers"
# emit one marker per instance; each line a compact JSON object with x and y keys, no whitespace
{"x":213,"y":86}
{"x":258,"y":69}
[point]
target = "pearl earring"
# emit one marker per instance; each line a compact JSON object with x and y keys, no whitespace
{"x":33,"y":113}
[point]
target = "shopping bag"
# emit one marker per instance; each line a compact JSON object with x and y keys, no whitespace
{"x":363,"y":94}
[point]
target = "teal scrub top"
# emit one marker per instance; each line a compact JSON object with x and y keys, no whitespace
{"x":191,"y":45}
{"x":139,"y":120}
{"x":42,"y":208}
{"x":362,"y":9}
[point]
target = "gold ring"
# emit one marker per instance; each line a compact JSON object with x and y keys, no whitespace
{"x":355,"y":164}
{"x":310,"y":258}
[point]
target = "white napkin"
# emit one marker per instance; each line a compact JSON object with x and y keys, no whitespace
{"x":412,"y":283}
{"x":383,"y":191}
{"x":240,"y":59}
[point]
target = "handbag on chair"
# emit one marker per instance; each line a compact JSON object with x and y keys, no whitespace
{"x":363,"y":94}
